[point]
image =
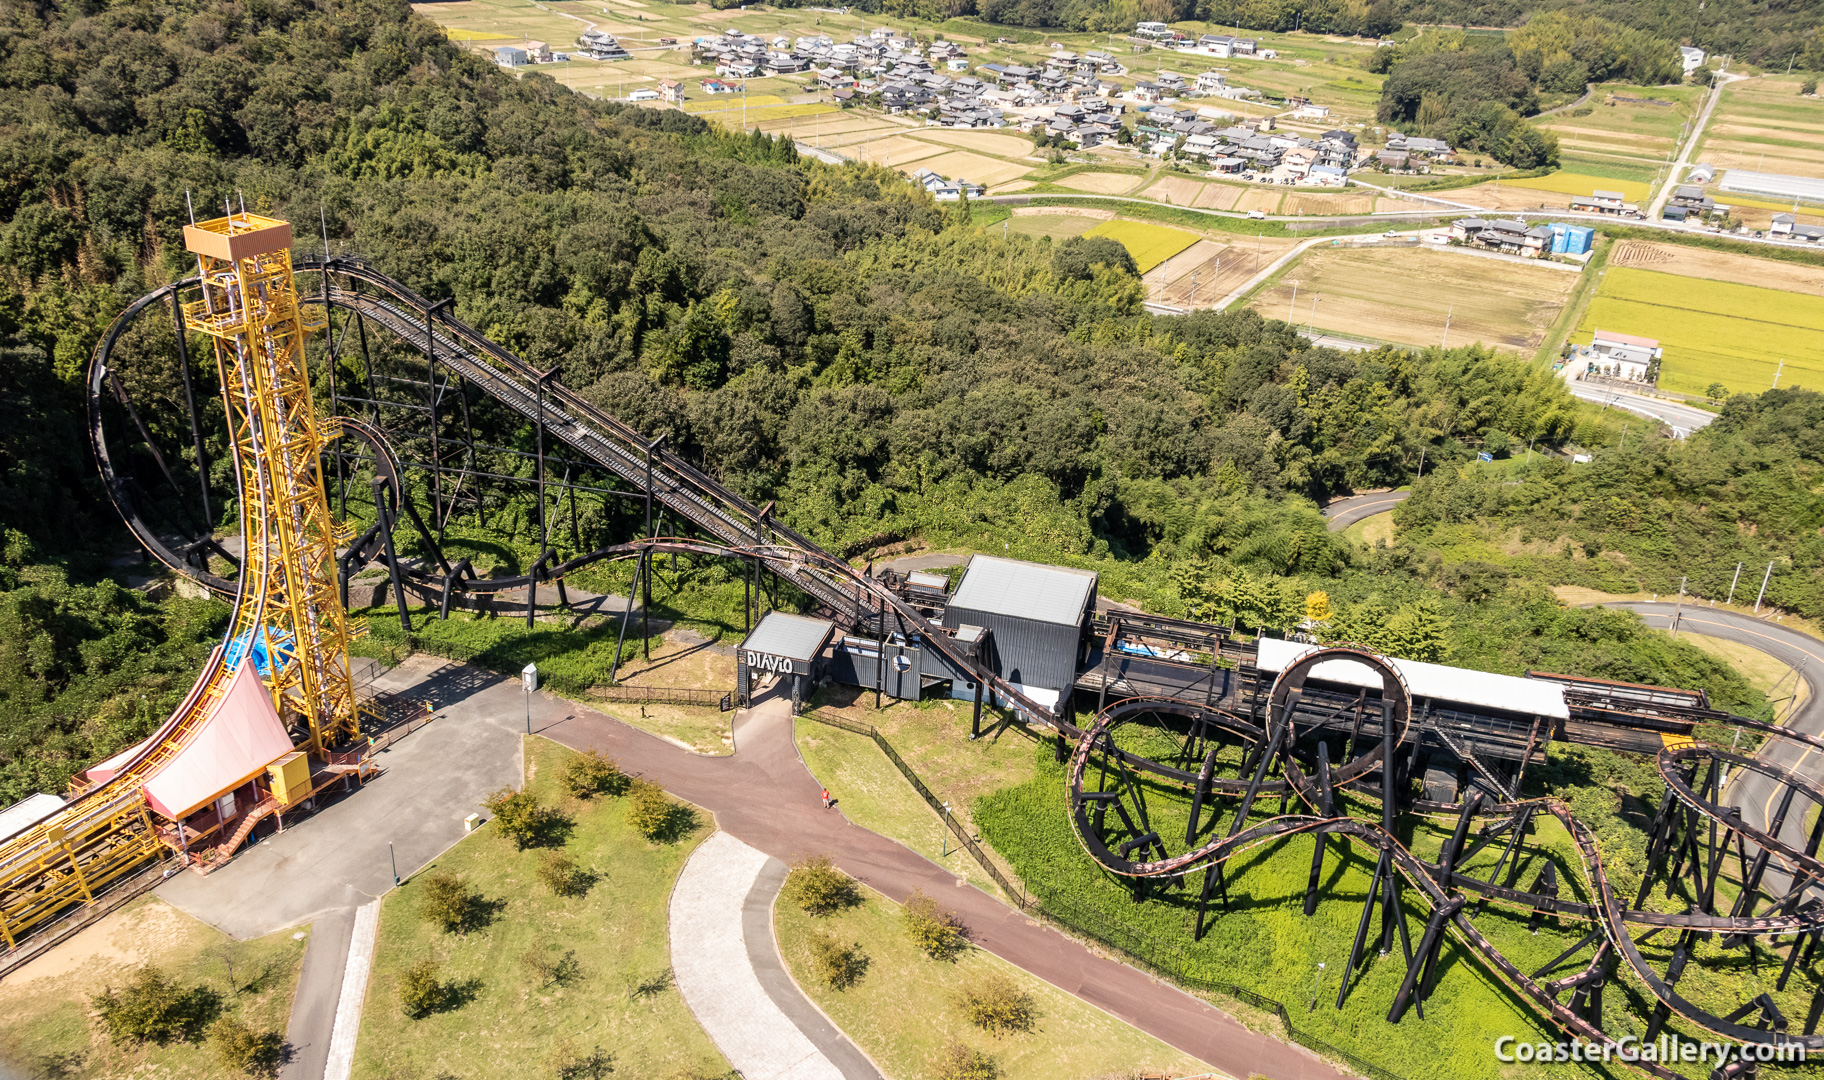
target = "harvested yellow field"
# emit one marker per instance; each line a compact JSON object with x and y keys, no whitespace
{"x":829,"y":129}
{"x":1784,"y":131}
{"x":1219,"y":196}
{"x":1176,"y":190}
{"x":1718,"y":266}
{"x":1328,"y":204}
{"x":1493,"y":196}
{"x":1257,"y":199}
{"x":961,"y":165}
{"x":1570,"y":183}
{"x":1405,"y":295}
{"x":1063,"y":211}
{"x":1101,"y":183}
{"x":986,"y":142}
{"x":1008,"y":189}
{"x":895,"y":151}
{"x":1219,"y":269}
{"x":1773,"y":159}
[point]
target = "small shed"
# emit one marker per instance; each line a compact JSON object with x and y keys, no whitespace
{"x":782,"y":644}
{"x":1038,"y":616}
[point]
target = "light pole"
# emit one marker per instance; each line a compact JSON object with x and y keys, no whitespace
{"x":394,"y":859}
{"x":1445,"y":344}
{"x":1292,"y":308}
{"x":528,"y":677}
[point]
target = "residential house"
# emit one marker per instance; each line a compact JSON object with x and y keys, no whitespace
{"x":1605,"y":202}
{"x":1515,"y":238}
{"x":511,"y":56}
{"x":1328,"y":175}
{"x":1787,"y":225}
{"x":1691,"y":58}
{"x":1211,"y":81}
{"x":671,"y":90}
{"x":1621,"y":356}
{"x":1152,"y":30}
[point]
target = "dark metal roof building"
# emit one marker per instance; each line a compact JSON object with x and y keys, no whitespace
{"x":1037,"y":616}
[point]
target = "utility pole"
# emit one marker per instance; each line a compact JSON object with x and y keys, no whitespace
{"x":1776,"y":375}
{"x":1292,"y":308}
{"x":1193,"y":301}
{"x":1444,"y":344}
{"x":1624,"y":437}
{"x":1315,"y":297}
{"x":1678,"y":607}
{"x":1764,"y":578}
{"x":1732,"y":581}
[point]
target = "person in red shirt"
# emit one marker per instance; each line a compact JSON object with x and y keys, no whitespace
{"x":826,"y":798}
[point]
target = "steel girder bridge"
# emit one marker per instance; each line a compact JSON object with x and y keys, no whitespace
{"x":422,"y":374}
{"x":1143,"y":759}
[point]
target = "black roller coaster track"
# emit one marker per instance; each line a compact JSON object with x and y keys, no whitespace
{"x":731,"y":525}
{"x":1689,"y":843}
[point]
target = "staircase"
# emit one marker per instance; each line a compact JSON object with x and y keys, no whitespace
{"x":219,"y":856}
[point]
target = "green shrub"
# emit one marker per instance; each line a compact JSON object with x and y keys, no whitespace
{"x":568,"y":1063}
{"x":244,"y":1049}
{"x":654,"y":814}
{"x":997,"y":1005}
{"x":549,"y":968}
{"x":937,"y":933}
{"x":562,"y":876}
{"x":818,"y":887}
{"x":959,"y":1062}
{"x":590,"y":774}
{"x":449,"y":904}
{"x":152,"y":1008}
{"x":838,"y":964}
{"x":421,"y":992}
{"x":520,"y":817}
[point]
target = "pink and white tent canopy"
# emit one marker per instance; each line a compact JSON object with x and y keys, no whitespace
{"x":239,"y":738}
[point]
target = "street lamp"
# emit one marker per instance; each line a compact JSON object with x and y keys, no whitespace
{"x":395,"y":861}
{"x":528,"y":677}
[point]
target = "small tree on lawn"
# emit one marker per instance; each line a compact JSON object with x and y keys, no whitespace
{"x":817,"y":887}
{"x":958,"y":1062}
{"x":519,"y":816}
{"x":561,"y":875}
{"x":153,"y":1008}
{"x":449,"y":904}
{"x":590,"y":774}
{"x":937,"y":933}
{"x":244,"y":1049}
{"x":656,"y":817}
{"x":839,"y":965}
{"x":421,"y":992}
{"x":997,"y":1005}
{"x":568,"y":1063}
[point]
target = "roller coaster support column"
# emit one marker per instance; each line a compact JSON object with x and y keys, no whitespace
{"x":329,"y":342}
{"x":430,"y":360}
{"x":1356,"y":957}
{"x":646,"y":579}
{"x":196,"y":430}
{"x":1326,"y":805}
{"x":388,"y":516}
{"x":1429,"y":946}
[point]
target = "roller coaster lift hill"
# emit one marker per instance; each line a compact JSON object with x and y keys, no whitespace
{"x":291,"y":630}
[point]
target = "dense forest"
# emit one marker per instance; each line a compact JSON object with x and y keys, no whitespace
{"x":828,"y":338}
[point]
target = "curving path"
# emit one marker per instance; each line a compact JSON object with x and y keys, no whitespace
{"x":730,"y":973}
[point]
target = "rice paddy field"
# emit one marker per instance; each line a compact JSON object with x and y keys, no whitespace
{"x":1713,"y":330}
{"x":1406,"y":295}
{"x":1572,"y":183}
{"x":1763,"y":125}
{"x":1202,"y":274}
{"x":1149,"y":244}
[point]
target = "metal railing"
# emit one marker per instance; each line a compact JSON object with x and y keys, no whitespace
{"x":1018,"y":896}
{"x":722,"y":700}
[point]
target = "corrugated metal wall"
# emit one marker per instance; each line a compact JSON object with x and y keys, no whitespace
{"x":1032,"y":653}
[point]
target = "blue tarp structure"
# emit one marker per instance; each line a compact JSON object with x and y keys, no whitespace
{"x":262,"y":662}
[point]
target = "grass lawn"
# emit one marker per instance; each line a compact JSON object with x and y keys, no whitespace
{"x":1150,"y":245}
{"x":505,"y":1024}
{"x":901,"y":1013}
{"x":933,"y":738}
{"x":1762,"y":671}
{"x":1370,"y":529}
{"x":1713,"y":331}
{"x":46,"y":1028}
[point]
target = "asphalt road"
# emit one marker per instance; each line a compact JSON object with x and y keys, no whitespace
{"x":1756,"y":794}
{"x":1346,"y":512}
{"x":1682,"y":419}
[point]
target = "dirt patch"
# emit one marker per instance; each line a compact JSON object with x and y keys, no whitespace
{"x":1219,"y":197}
{"x":1328,"y":204}
{"x":986,"y":142}
{"x":1101,"y":183}
{"x":1063,"y":211}
{"x":1578,"y":596}
{"x":1493,"y":197}
{"x":1257,"y":199}
{"x":897,"y":151}
{"x":1719,"y":266}
{"x":1176,"y":190}
{"x":1056,"y":226}
{"x":1774,"y":159}
{"x":1409,"y":295}
{"x":1605,"y":133}
{"x":120,"y":941}
{"x":960,"y":165}
{"x":1220,"y":269}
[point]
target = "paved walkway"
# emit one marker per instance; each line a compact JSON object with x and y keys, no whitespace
{"x":730,"y":973}
{"x":764,"y":797}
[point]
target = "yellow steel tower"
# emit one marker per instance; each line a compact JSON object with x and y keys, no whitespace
{"x":250,"y":307}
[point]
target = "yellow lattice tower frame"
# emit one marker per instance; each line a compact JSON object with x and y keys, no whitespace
{"x":249,"y":307}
